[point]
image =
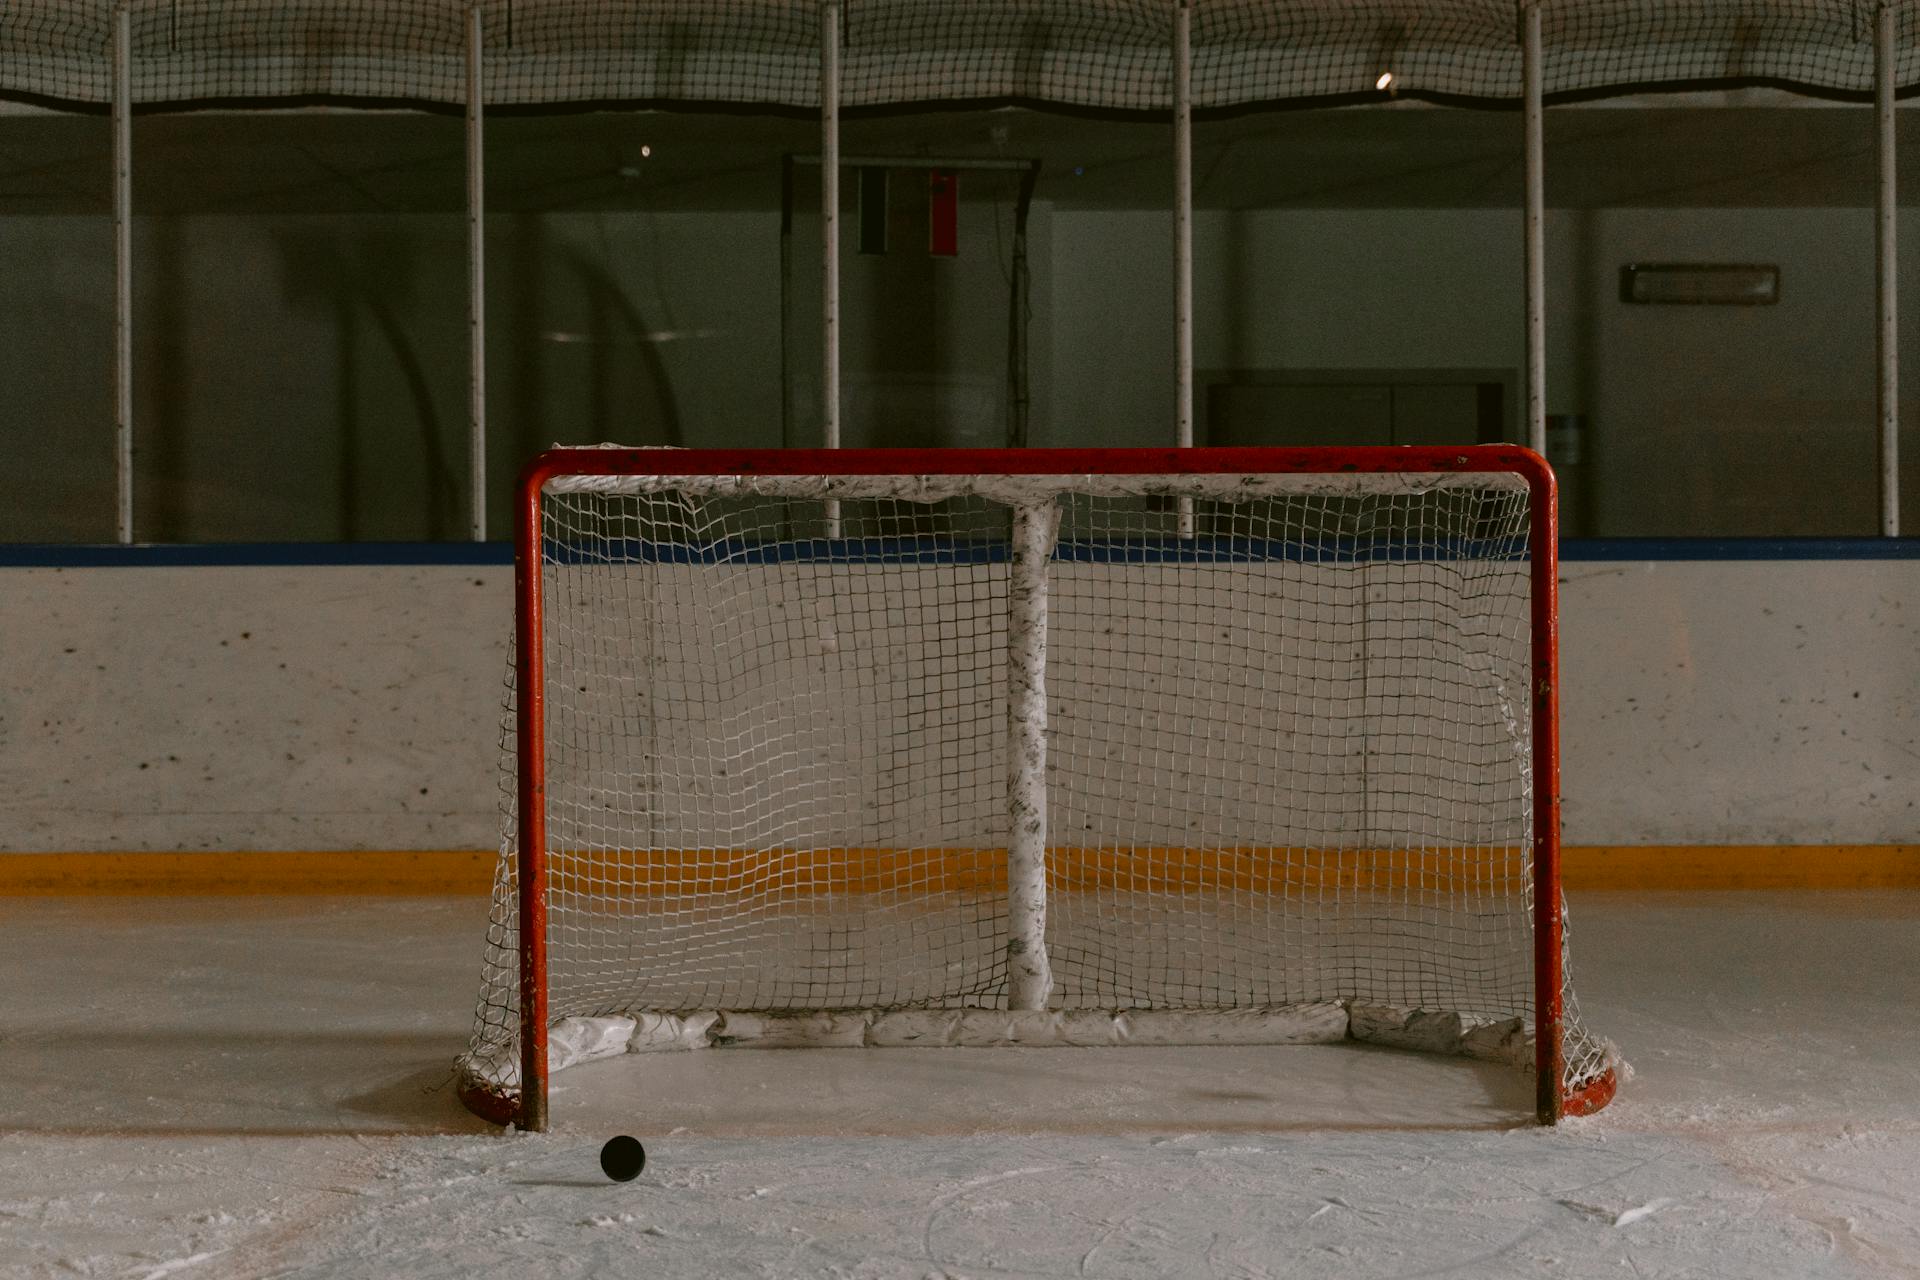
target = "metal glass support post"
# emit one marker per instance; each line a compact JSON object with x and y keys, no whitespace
{"x":1536,"y":226}
{"x":830,"y":236}
{"x":476,"y":280}
{"x":1019,"y":301}
{"x":786,"y":302}
{"x":1183,"y":239}
{"x":1887,"y":267}
{"x":123,"y":270}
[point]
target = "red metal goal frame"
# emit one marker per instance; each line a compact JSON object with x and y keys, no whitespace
{"x":1552,"y":1100}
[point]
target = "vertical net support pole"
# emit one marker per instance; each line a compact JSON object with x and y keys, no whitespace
{"x":1887,"y":266}
{"x":123,"y":270}
{"x":1183,"y":238}
{"x":830,"y":237}
{"x":531,"y":832}
{"x":1548,"y":911}
{"x":1536,"y":227}
{"x":1029,"y":975}
{"x":476,"y":280}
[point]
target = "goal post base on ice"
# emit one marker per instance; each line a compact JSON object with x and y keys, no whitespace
{"x":491,"y":1089}
{"x":1039,"y":746}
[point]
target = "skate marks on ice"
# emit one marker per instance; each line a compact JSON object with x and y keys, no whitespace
{"x":1524,"y":1202}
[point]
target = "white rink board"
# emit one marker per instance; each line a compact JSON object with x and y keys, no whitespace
{"x":308,"y":708}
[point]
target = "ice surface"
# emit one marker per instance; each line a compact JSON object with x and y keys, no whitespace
{"x":252,"y":1087}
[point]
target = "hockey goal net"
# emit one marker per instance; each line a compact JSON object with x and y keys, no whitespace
{"x":1035,"y":747}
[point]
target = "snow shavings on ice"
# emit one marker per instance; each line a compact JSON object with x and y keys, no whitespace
{"x":1627,"y":1217}
{"x":180,"y":1264}
{"x":1589,"y":1200}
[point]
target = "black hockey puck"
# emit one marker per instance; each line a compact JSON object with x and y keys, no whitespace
{"x":623,"y":1158}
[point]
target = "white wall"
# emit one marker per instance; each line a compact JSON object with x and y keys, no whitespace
{"x":1701,"y":421}
{"x":341,"y":708}
{"x":1298,"y":289}
{"x":304,"y":377}
{"x":1727,"y":420}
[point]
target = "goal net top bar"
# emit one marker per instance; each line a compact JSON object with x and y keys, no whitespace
{"x":1012,"y":474}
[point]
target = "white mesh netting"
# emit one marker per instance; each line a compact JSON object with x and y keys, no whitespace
{"x":1112,"y":55}
{"x":1287,"y":763}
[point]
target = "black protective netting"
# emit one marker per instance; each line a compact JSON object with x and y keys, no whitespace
{"x":1106,"y":54}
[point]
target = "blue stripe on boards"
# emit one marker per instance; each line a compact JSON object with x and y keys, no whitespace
{"x":249,"y":554}
{"x":1740,"y":549}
